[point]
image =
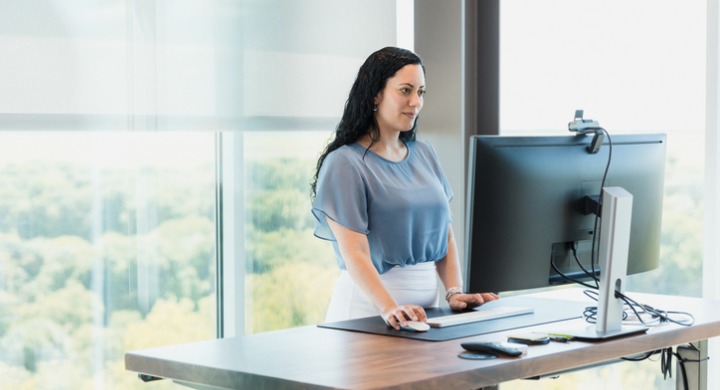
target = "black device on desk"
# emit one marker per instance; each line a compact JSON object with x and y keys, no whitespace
{"x":494,"y":348}
{"x":529,"y":338}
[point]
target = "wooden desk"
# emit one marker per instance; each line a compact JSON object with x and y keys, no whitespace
{"x":313,"y":357}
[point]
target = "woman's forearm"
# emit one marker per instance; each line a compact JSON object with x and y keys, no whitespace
{"x":448,"y":268}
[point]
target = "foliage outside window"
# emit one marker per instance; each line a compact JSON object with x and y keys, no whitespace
{"x":106,"y":245}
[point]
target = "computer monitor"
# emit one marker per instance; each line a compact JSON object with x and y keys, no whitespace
{"x":527,"y":206}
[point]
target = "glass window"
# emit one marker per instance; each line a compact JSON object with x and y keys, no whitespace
{"x":291,"y":273}
{"x":293,"y":83}
{"x":120,"y":124}
{"x":106,"y":245}
{"x":107,"y":236}
{"x":632,"y":75}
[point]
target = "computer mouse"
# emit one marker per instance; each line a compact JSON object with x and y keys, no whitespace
{"x":415,"y":326}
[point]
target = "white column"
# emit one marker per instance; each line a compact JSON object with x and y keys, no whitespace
{"x":438,"y":41}
{"x":711,"y":260}
{"x":233,"y":288}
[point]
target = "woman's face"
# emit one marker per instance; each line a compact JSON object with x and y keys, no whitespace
{"x":399,"y":104}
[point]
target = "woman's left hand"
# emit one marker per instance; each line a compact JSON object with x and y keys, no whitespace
{"x":459,"y":302}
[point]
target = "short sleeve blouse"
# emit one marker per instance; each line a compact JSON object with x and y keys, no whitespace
{"x":402,"y":207}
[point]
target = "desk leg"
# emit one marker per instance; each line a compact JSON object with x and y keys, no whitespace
{"x":703,"y":369}
{"x":695,"y":366}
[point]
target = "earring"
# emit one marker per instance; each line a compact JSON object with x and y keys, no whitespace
{"x":375,"y":108}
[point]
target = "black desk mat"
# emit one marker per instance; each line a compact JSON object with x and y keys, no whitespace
{"x":546,"y":311}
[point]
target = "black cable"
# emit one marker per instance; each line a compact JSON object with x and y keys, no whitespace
{"x":681,"y":362}
{"x":683,"y":371}
{"x":568,"y":277}
{"x":666,"y":363}
{"x":661,"y":315}
{"x":590,"y":312}
{"x":598,"y":222}
{"x":642,"y":356}
{"x":592,"y":275}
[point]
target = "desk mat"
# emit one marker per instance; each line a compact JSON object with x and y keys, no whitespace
{"x":546,"y":311}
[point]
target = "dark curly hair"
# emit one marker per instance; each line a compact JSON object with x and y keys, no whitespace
{"x":358,"y":116}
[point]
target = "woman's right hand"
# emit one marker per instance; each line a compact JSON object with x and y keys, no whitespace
{"x":461,"y":301}
{"x":400,"y":315}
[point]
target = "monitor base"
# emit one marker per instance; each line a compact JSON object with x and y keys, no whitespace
{"x":590,"y":333}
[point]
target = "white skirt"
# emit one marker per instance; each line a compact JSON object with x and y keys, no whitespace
{"x":413,"y":284}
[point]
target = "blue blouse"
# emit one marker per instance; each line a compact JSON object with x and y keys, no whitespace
{"x":402,"y":207}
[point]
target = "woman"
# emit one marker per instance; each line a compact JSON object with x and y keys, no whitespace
{"x":382,"y":198}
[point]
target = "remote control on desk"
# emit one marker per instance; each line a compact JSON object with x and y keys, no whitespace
{"x":494,"y":348}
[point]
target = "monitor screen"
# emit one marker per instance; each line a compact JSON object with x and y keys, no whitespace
{"x":527,"y":206}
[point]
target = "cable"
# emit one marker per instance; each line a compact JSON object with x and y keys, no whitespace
{"x":592,"y":275}
{"x":641,"y":356}
{"x":570,"y":278}
{"x":590,"y":312}
{"x":658,"y":314}
{"x":681,"y":361}
{"x":666,"y":364}
{"x":598,"y":222}
{"x":640,"y":310}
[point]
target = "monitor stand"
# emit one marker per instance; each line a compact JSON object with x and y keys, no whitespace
{"x":616,"y":216}
{"x":590,"y":333}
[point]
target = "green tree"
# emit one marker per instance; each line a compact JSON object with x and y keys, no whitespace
{"x":290,"y":295}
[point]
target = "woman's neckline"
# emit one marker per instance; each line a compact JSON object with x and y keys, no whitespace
{"x":404,"y":159}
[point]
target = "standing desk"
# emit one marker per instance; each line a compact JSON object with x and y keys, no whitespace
{"x":312,"y":357}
